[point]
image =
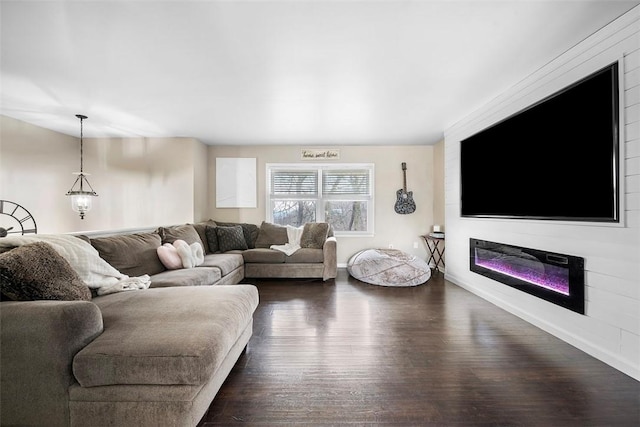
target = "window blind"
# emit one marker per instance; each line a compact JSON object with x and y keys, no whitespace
{"x":345,"y":182}
{"x":294,"y":182}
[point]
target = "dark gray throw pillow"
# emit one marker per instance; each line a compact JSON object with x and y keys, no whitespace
{"x":37,"y":272}
{"x":212,"y":239}
{"x":201,"y":229}
{"x":231,"y":238}
{"x":250,"y":231}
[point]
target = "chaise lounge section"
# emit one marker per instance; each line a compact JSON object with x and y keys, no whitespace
{"x":143,"y":358}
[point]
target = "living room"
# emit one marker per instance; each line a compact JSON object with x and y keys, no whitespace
{"x":148,"y":180}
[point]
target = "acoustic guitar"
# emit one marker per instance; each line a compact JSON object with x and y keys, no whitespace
{"x":404,"y":202}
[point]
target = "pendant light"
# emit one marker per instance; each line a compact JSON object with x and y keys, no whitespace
{"x":81,"y":198}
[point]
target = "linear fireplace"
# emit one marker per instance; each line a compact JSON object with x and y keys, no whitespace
{"x":554,"y":277}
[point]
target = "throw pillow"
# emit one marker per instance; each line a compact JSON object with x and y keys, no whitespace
{"x":197,"y":253}
{"x":190,"y":254}
{"x":180,"y":254}
{"x":250,"y":232}
{"x":314,"y":235}
{"x":36,"y":271}
{"x":184,"y":252}
{"x":169,"y":257}
{"x":212,"y":239}
{"x":231,"y":238}
{"x":271,"y":234}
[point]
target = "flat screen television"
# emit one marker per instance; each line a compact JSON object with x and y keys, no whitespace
{"x":555,"y":160}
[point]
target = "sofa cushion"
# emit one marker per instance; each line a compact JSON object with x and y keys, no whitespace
{"x":186,"y":277}
{"x":225,"y":262}
{"x":231,"y":238}
{"x":36,"y":271}
{"x":306,"y":255}
{"x":314,"y":235}
{"x":263,"y":255}
{"x":201,"y":228}
{"x":165,"y":336}
{"x":212,"y":239}
{"x":250,"y":231}
{"x":271,"y":234}
{"x":131,"y":254}
{"x":184,"y":232}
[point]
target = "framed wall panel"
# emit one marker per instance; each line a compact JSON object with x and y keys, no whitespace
{"x":236,"y":185}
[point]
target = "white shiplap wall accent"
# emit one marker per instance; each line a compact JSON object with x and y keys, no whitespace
{"x":610,"y":329}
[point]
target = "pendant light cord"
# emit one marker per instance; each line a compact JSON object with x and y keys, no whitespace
{"x":81,"y":144}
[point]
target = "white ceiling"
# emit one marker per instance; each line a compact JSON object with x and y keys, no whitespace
{"x":277,"y":72}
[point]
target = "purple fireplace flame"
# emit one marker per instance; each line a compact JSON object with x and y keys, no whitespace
{"x":528,"y":270}
{"x":554,"y":277}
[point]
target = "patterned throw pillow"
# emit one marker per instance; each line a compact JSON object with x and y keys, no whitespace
{"x":231,"y":238}
{"x":314,"y":235}
{"x":37,"y":272}
{"x":250,"y":231}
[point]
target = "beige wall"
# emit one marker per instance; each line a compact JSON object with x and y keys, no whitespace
{"x":140,"y":182}
{"x":35,"y":172}
{"x":146,"y":182}
{"x":402,"y":231}
{"x":200,"y":181}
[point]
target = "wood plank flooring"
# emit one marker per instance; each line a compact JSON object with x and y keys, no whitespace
{"x":349,"y":353}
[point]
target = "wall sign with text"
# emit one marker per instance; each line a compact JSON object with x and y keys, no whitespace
{"x":319,"y":154}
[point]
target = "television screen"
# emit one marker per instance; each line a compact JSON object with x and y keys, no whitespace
{"x":555,"y":160}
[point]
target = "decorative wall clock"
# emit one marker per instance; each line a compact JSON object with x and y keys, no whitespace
{"x":15,"y":219}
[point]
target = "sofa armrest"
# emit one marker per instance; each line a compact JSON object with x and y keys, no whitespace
{"x":330,"y":258}
{"x":38,"y":341}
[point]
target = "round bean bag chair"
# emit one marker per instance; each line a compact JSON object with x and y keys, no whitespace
{"x":388,"y":267}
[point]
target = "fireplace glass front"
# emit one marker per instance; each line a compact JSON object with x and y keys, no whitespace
{"x":557,"y":278}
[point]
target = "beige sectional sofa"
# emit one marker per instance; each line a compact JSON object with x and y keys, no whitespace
{"x":135,"y":253}
{"x":146,"y":357}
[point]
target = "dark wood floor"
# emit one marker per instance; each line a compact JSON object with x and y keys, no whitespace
{"x":346,"y":352}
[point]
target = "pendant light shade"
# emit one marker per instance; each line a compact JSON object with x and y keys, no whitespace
{"x":81,"y":191}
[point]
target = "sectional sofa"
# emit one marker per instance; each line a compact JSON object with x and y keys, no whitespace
{"x":71,"y":355}
{"x":232,"y":251}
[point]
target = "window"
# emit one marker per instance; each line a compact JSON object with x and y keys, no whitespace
{"x":340,"y":194}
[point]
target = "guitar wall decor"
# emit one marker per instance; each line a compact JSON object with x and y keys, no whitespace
{"x":405,"y":203}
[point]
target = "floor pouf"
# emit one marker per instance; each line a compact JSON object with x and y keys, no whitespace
{"x":388,"y":267}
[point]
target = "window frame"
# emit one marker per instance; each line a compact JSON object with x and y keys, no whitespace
{"x":320,"y":198}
